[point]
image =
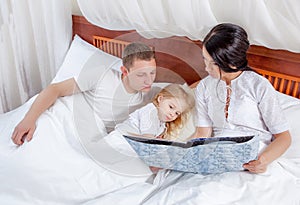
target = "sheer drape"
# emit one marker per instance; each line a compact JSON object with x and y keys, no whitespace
{"x":34,"y":37}
{"x":271,"y":23}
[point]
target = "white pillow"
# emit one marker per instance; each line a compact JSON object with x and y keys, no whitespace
{"x":78,"y":54}
{"x":291,"y":109}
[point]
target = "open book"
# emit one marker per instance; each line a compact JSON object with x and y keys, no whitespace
{"x":201,"y":155}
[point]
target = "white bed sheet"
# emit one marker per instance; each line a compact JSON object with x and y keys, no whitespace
{"x":54,"y":169}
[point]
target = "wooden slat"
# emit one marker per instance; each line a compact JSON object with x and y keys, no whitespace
{"x":288,"y":84}
{"x":111,"y":46}
{"x":295,"y":90}
{"x":276,"y":85}
{"x":288,"y":87}
{"x":281,"y":85}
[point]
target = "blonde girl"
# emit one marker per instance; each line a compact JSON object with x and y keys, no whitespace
{"x":164,"y":116}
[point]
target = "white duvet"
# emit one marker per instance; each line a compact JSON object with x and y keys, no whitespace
{"x":55,"y":169}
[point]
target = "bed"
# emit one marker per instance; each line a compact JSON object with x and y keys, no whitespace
{"x":54,"y":168}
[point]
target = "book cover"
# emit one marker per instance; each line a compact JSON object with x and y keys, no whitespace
{"x":201,"y":155}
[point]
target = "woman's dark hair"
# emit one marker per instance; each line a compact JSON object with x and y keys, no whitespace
{"x":227,"y":44}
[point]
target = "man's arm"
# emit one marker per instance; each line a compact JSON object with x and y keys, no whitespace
{"x":25,"y":128}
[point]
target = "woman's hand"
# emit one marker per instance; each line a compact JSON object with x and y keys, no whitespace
{"x":257,"y":166}
{"x":274,"y":150}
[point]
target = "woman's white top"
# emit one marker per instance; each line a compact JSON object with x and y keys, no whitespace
{"x":253,"y":109}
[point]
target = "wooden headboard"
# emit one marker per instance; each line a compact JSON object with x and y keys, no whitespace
{"x":283,"y":83}
{"x":179,"y":59}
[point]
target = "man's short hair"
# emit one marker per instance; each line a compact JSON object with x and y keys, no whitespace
{"x":136,"y":51}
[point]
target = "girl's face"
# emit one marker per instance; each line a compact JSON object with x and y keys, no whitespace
{"x":169,"y":108}
{"x":210,"y":66}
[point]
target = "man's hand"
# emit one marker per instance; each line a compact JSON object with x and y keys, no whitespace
{"x":23,"y":131}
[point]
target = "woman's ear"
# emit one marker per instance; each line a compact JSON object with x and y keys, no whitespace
{"x":232,"y":67}
{"x":124,"y":71}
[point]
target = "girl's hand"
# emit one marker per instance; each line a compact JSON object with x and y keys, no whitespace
{"x":160,"y":137}
{"x":155,"y":169}
{"x":257,"y":166}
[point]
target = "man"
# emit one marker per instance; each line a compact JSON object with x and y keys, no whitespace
{"x":111,"y":95}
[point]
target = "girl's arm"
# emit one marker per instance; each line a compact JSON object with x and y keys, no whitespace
{"x":275,"y":149}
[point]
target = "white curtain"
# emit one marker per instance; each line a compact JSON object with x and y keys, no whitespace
{"x":271,"y":23}
{"x":34,"y":37}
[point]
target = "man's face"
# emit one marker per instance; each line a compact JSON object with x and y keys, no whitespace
{"x":141,"y":75}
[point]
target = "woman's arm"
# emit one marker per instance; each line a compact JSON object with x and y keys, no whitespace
{"x":25,"y":128}
{"x":275,"y":149}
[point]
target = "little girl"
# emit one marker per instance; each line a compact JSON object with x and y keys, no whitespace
{"x":164,"y":116}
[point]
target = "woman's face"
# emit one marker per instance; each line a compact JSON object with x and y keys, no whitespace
{"x":210,"y":66}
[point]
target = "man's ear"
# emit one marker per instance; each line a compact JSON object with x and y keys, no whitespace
{"x":124,"y":70}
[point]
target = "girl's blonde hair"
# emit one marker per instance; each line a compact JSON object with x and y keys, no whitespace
{"x":184,"y":94}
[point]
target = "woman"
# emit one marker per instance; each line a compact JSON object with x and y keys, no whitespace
{"x":235,"y":100}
